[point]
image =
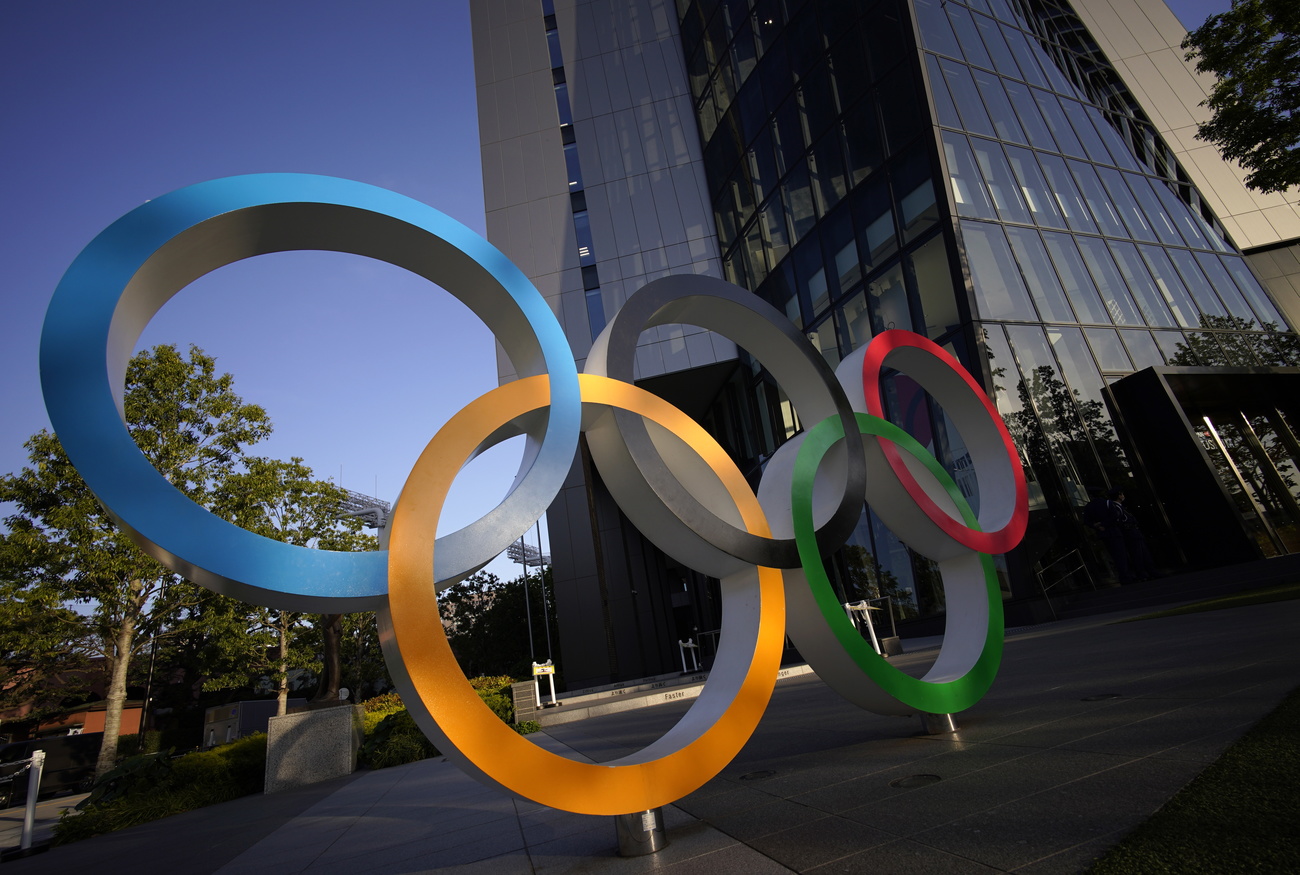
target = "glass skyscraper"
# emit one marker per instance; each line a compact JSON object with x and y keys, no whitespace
{"x":976,"y":171}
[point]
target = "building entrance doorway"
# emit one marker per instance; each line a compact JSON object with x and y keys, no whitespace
{"x":1255,"y":454}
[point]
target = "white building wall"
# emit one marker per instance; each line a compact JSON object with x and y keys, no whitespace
{"x":639,"y":151}
{"x":1143,"y":39}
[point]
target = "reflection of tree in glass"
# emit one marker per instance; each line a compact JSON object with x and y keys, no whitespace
{"x":1245,"y":346}
{"x":863,"y":578}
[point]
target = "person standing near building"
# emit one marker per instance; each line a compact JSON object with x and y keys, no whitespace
{"x":1106,"y":517}
{"x":1140,"y":562}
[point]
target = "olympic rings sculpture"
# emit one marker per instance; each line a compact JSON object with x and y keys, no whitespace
{"x":675,"y":482}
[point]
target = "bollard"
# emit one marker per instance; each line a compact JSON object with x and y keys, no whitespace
{"x":641,"y":833}
{"x":33,"y":790}
{"x":937,"y":724}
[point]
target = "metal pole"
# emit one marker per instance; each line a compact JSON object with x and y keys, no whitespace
{"x":528,"y":612}
{"x":33,"y":790}
{"x":546,"y":611}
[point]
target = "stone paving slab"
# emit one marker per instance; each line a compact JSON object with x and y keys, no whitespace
{"x":1088,"y":730}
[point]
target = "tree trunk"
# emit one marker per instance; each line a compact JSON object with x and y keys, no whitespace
{"x":116,"y":698}
{"x":331,"y":629}
{"x":282,"y":683}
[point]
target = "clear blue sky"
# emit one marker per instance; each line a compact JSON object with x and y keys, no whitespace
{"x":105,"y":105}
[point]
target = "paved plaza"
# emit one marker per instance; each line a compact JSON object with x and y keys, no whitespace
{"x":1091,"y":726}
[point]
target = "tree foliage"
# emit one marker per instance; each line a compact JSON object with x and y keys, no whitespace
{"x":487,"y":623}
{"x":284,"y":502}
{"x":68,"y":553}
{"x":1254,"y":50}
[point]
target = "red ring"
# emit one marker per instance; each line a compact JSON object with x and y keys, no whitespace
{"x":997,"y":541}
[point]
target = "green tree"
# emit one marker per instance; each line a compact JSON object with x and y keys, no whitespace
{"x":284,"y":502}
{"x":193,"y":428}
{"x":1254,"y":50}
{"x":487,"y":623}
{"x":43,"y":658}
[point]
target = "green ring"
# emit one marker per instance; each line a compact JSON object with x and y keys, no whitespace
{"x":945,"y":697}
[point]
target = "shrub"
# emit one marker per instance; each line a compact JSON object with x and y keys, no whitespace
{"x":395,"y":741}
{"x":145,"y":788}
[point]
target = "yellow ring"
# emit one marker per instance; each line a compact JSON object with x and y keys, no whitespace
{"x":448,"y":709}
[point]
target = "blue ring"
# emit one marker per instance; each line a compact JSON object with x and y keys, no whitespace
{"x":84,"y":352}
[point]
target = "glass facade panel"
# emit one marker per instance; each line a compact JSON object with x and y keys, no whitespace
{"x":1268,"y":314}
{"x":1126,"y":205}
{"x":1033,"y":187}
{"x":1171,"y":286}
{"x":1026,"y":56}
{"x":1001,"y":185}
{"x":1078,"y":284}
{"x":1063,"y":133}
{"x":969,"y":194}
{"x":1068,"y":199}
{"x":887,"y":300}
{"x":1142,"y":349}
{"x":936,"y":32}
{"x":873,"y":215}
{"x":1044,"y":287}
{"x":856,"y":320}
{"x":914,"y":193}
{"x":1066,"y":440}
{"x":932,"y":277}
{"x":999,"y":291}
{"x":969,"y":36}
{"x":944,"y":108}
{"x":1005,"y":124}
{"x":1110,"y":353}
{"x":1107,"y":219}
{"x":1199,"y":287}
{"x":1110,"y":282}
{"x":1226,"y":288}
{"x":1149,"y":299}
{"x":1031,"y":120}
{"x":967,"y":97}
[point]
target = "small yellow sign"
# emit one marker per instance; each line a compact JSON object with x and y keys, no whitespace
{"x":543,"y":669}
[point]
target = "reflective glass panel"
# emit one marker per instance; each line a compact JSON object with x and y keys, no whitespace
{"x":969,"y":36}
{"x":1025,"y":56}
{"x":1002,"y":187}
{"x":887,"y":300}
{"x":1171,"y":286}
{"x":1138,"y":279}
{"x":874,"y":217}
{"x":1060,"y":125}
{"x":1031,"y":119}
{"x":943,"y":105}
{"x":1227,"y":289}
{"x":1175,"y":349}
{"x":1197,"y":284}
{"x":967,"y":97}
{"x":999,"y":291}
{"x":1003,"y":61}
{"x":862,"y":140}
{"x":1268,"y":314}
{"x":1066,"y":193}
{"x":1106,"y":346}
{"x":914,"y":191}
{"x":936,"y":32}
{"x":968,"y":191}
{"x":1076,"y":363}
{"x":1083,"y":129}
{"x":1110,"y":283}
{"x":824,"y":341}
{"x":1188,"y":224}
{"x":1033,"y":187}
{"x":1098,"y":202}
{"x":1043,"y":285}
{"x":1005,"y":124}
{"x":932,"y":277}
{"x":1074,"y":275}
{"x":1142,"y":349}
{"x":856,"y":320}
{"x":1126,"y":205}
{"x":799,"y":202}
{"x":1154,"y":209}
